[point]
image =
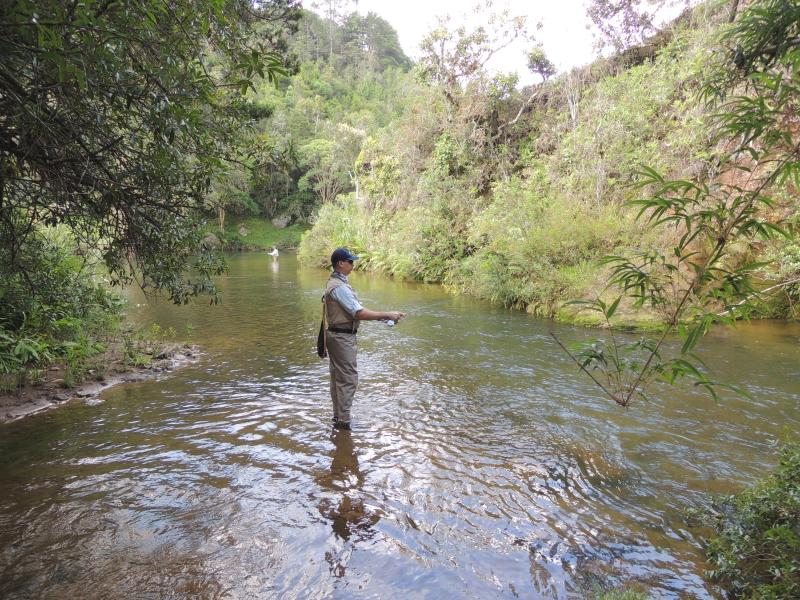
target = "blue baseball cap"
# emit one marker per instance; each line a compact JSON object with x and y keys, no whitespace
{"x":342,"y":254}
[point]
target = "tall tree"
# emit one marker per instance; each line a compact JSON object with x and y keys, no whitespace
{"x":335,"y":13}
{"x":326,"y":175}
{"x":115,"y":118}
{"x":623,"y":23}
{"x":372,"y":40}
{"x":332,"y":161}
{"x":452,"y":56}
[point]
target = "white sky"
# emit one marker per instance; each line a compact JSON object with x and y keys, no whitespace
{"x":564,"y":36}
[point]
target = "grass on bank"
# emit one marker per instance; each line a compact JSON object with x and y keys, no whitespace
{"x":263,"y":235}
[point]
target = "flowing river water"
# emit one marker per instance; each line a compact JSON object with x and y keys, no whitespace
{"x":481,"y":463}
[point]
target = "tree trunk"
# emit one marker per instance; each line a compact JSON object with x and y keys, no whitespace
{"x":734,"y":8}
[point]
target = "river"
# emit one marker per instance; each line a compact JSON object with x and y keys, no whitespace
{"x":481,"y":464}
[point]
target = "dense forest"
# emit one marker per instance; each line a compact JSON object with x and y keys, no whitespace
{"x":352,"y":83}
{"x":444,"y":171}
{"x":448,"y":172}
{"x":514,"y":194}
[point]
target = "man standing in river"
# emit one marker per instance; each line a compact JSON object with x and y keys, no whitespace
{"x":344,"y":313}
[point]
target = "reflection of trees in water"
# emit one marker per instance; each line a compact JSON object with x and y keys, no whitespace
{"x":347,"y":513}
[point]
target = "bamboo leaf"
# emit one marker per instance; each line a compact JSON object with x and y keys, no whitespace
{"x":613,"y":308}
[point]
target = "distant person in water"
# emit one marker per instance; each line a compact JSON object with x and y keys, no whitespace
{"x":344,"y":313}
{"x":274,"y":252}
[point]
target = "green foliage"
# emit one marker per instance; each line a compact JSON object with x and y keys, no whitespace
{"x":325,"y":175}
{"x":756,"y":554}
{"x":22,"y":353}
{"x":189,"y":330}
{"x":338,"y":224}
{"x":688,"y":286}
{"x":350,"y":41}
{"x":539,"y":63}
{"x":764,"y":37}
{"x":786,"y":259}
{"x":535,"y":286}
{"x":766,"y":60}
{"x":352,"y":82}
{"x":54,"y":308}
{"x":51,"y":284}
{"x":622,"y":593}
{"x":696,"y":282}
{"x":441,"y":251}
{"x":115,"y":119}
{"x":515,"y":200}
{"x":141,"y":348}
{"x":531,"y":196}
{"x":646,"y":114}
{"x":15,"y":352}
{"x":452,"y":55}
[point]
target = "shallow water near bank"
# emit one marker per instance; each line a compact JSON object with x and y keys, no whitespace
{"x":481,"y":464}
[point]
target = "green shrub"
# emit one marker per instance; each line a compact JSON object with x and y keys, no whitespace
{"x":58,"y":311}
{"x":756,"y":553}
{"x":59,"y":282}
{"x":339,"y":224}
{"x":614,"y":594}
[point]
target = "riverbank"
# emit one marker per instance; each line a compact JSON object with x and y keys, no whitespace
{"x":113,"y":369}
{"x":253,"y":234}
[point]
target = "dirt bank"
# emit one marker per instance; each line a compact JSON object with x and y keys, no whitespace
{"x":52,"y":392}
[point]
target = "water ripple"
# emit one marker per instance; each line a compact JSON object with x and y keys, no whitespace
{"x":480,"y":466}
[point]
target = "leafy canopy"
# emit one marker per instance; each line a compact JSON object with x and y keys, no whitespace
{"x":115,"y":118}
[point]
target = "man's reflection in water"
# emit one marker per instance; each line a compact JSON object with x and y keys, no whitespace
{"x":348,"y":515}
